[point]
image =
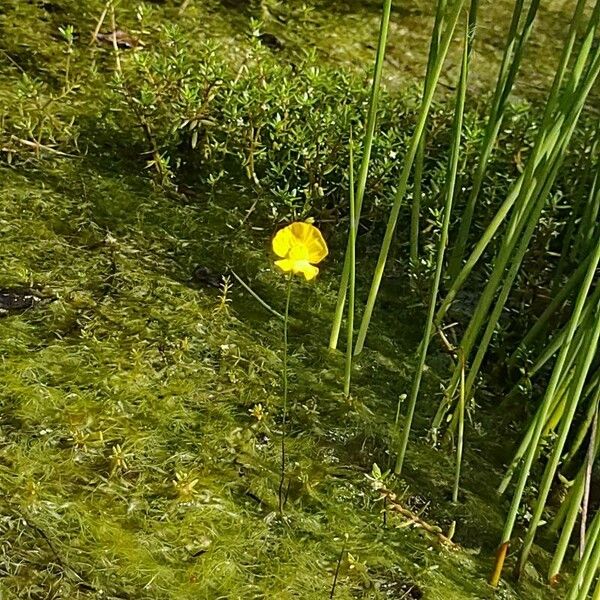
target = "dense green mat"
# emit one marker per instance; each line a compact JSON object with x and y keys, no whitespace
{"x":136,"y":462}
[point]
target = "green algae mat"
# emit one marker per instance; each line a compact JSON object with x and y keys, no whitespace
{"x":140,"y":418}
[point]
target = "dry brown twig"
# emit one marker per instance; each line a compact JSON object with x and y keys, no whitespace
{"x":184,"y":6}
{"x":393,"y":504}
{"x":100,"y":22}
{"x":37,"y":147}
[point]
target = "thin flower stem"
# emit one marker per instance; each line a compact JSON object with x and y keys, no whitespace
{"x":337,"y":568}
{"x":285,"y":390}
{"x":100,"y":22}
{"x":256,"y":296}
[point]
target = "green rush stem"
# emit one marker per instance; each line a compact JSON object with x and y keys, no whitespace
{"x":443,"y":241}
{"x":285,"y":390}
{"x":558,"y":338}
{"x":415,"y":213}
{"x":517,"y":260}
{"x":588,"y":565}
{"x":558,"y":300}
{"x":550,"y":391}
{"x":536,"y":187}
{"x":574,"y":495}
{"x":589,"y":221}
{"x":593,"y":385}
{"x":582,"y":367}
{"x":555,"y":344}
{"x":571,"y":512}
{"x":548,"y":137}
{"x":591,"y":572}
{"x":445,"y":42}
{"x":461,"y":431}
{"x":486,"y":299}
{"x":364,"y":167}
{"x":567,"y":514}
{"x":526,"y":441}
{"x":351,"y":291}
{"x":568,"y":248}
{"x":589,"y":466}
{"x":511,"y":60}
{"x":596,"y":595}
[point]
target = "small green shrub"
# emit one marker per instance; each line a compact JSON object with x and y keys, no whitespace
{"x":36,"y":120}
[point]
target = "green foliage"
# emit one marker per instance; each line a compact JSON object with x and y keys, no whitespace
{"x":139,"y":408}
{"x":35,"y":120}
{"x":288,"y":134}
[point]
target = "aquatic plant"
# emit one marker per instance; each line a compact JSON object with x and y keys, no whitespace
{"x":300,"y":247}
{"x":576,"y":73}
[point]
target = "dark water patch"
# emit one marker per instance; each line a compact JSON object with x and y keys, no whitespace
{"x":19,"y":299}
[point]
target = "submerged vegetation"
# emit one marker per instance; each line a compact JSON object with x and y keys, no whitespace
{"x":172,"y":420}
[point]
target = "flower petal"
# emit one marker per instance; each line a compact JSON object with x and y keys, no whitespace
{"x":316,"y":246}
{"x":312,"y":238}
{"x":301,"y":230}
{"x":283,"y":241}
{"x":308,"y":270}
{"x":285,"y":264}
{"x":301,"y":243}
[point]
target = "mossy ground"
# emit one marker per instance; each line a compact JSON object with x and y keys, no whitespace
{"x":140,"y":406}
{"x":132,"y":464}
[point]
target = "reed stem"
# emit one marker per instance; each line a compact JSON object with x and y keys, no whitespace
{"x":364,"y":167}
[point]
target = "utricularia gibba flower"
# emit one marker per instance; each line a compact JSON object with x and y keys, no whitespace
{"x":300,"y":247}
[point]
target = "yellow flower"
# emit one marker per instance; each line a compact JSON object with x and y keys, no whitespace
{"x":300,"y":246}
